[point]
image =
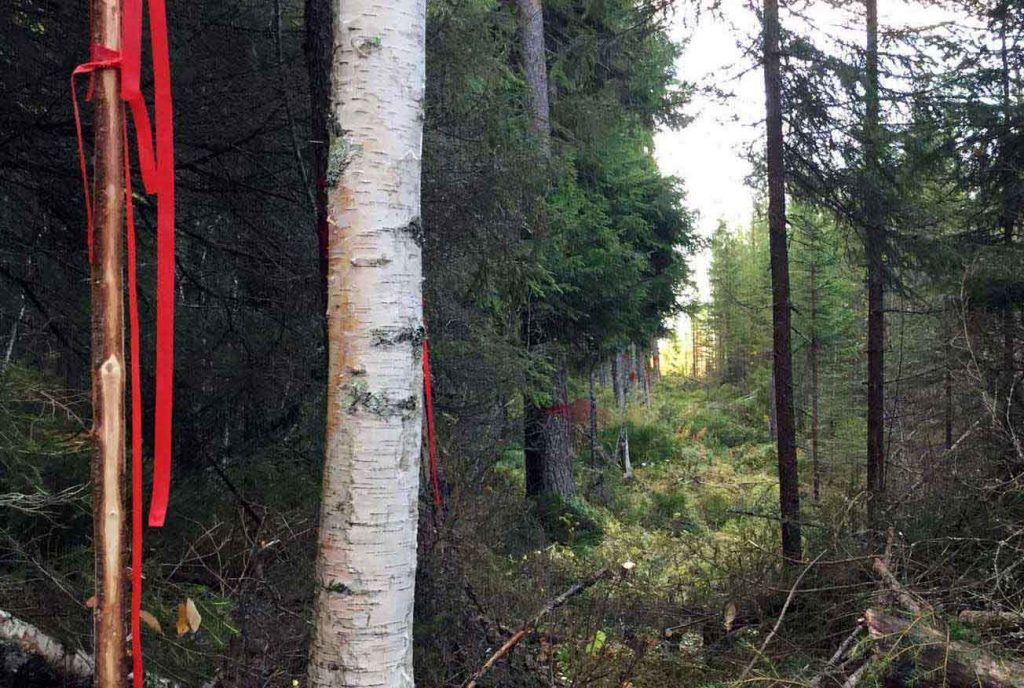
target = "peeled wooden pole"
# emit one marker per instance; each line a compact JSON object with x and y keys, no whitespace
{"x":108,"y":364}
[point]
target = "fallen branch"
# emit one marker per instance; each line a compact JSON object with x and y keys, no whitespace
{"x":31,"y":640}
{"x":530,"y":626}
{"x":904,"y":597}
{"x":838,"y":657}
{"x":73,"y":665}
{"x":771,"y":517}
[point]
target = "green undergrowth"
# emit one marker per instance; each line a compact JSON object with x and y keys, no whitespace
{"x":691,"y":533}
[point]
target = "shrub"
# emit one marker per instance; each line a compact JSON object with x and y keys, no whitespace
{"x":569,"y":522}
{"x":649,"y":442}
{"x":723,"y":427}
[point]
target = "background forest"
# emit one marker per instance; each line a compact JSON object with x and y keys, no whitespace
{"x":612,"y":438}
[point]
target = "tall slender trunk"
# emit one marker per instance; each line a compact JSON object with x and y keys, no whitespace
{"x":1008,"y":218}
{"x":643,"y":375}
{"x":655,"y":360}
{"x":592,"y":416}
{"x":875,"y":237}
{"x":782,"y":360}
{"x":617,"y":374}
{"x":535,"y":68}
{"x":366,"y":557}
{"x":694,"y":346}
{"x":546,"y":431}
{"x":949,"y":396}
{"x":619,"y":387}
{"x":108,"y":364}
{"x":814,"y":352}
{"x":319,"y":28}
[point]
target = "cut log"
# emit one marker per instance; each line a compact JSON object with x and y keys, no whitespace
{"x":917,"y":654}
{"x":991,"y":622}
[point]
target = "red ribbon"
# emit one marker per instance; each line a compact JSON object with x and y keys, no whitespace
{"x":428,"y":392}
{"x":157,"y":170}
{"x":559,"y":410}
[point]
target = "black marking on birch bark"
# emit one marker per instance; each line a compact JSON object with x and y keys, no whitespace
{"x":414,"y":228}
{"x":340,"y":588}
{"x":398,"y":335}
{"x":360,"y":397}
{"x":334,"y":126}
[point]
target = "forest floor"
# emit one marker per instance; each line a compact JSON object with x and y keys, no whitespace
{"x":699,"y":595}
{"x":692,"y":540}
{"x":695,"y":592}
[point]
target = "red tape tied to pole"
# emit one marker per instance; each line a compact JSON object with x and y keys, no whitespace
{"x":156,"y":165}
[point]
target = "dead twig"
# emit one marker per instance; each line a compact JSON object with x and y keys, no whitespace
{"x":530,"y":626}
{"x":782,"y":615}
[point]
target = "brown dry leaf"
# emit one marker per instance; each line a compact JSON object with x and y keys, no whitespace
{"x":729,"y":613}
{"x":182,"y":623}
{"x":189,"y":618}
{"x":150,"y":621}
{"x":192,"y":614}
{"x":91,"y":603}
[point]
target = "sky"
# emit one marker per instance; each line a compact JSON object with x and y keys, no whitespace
{"x":709,"y":154}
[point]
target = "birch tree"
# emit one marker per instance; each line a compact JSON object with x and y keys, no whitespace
{"x":366,"y":559}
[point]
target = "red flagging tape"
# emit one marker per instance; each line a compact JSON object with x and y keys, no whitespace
{"x":428,"y":392}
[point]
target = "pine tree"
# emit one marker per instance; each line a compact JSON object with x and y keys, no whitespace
{"x":782,"y":367}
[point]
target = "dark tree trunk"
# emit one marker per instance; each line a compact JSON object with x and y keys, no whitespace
{"x":789,"y":483}
{"x":1010,"y":211}
{"x":548,"y":453}
{"x":319,"y":22}
{"x":643,"y":376}
{"x":949,"y":396}
{"x":548,"y":444}
{"x":814,"y":352}
{"x":592,"y":416}
{"x":617,"y":379}
{"x":875,"y":237}
{"x":655,"y":360}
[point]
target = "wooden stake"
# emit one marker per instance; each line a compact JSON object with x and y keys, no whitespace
{"x":108,"y":364}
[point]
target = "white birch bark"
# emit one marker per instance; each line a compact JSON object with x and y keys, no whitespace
{"x":366,"y":561}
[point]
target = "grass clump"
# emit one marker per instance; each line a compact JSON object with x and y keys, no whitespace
{"x":569,"y":522}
